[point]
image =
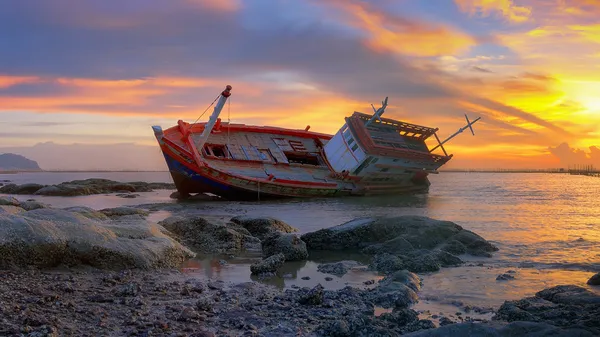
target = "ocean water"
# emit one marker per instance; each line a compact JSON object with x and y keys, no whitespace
{"x":547,"y":227}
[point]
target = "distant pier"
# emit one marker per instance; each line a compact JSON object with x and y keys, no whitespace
{"x":589,"y":171}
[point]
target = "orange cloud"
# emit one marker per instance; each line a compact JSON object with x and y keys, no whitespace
{"x":9,"y":81}
{"x":402,"y":35}
{"x":506,"y":8}
{"x":93,"y":83}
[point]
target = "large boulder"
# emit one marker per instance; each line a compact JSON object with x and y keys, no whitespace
{"x":416,"y":243}
{"x":594,"y":280}
{"x":209,"y":237}
{"x":262,"y":227}
{"x":48,"y":237}
{"x":290,"y":245}
{"x":562,"y":306}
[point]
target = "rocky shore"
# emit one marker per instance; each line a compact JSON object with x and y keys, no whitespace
{"x":85,"y":187}
{"x":84,"y":272}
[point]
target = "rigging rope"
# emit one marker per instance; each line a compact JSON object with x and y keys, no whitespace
{"x":228,"y":119}
{"x":211,"y":104}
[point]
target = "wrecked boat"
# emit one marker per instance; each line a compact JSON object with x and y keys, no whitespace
{"x":369,"y":155}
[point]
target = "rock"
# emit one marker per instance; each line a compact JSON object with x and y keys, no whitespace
{"x":88,"y":212}
{"x":188,"y":314}
{"x":9,"y":201}
{"x":127,"y":290}
{"x":4,"y":209}
{"x":445,"y":321}
{"x":31,"y":205}
{"x":290,"y":245}
{"x":48,"y":237}
{"x":400,"y":317}
{"x":386,"y":263}
{"x":84,"y":187}
{"x":397,"y":290}
{"x":454,"y":247}
{"x":594,"y":280}
{"x":122,"y":211}
{"x":128,"y":195}
{"x":422,"y":262}
{"x":21,"y":189}
{"x":268,"y":265}
{"x":313,"y":297}
{"x":563,"y":306}
{"x":397,"y":245}
{"x":339,"y":268}
{"x":209,"y":238}
{"x":263,"y":227}
{"x":419,"y":244}
{"x":492,"y":329}
{"x":505,"y":277}
{"x":205,"y":304}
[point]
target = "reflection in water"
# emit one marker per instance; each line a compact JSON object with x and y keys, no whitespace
{"x":292,"y":273}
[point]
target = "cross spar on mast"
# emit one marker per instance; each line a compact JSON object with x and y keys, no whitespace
{"x":468,"y":126}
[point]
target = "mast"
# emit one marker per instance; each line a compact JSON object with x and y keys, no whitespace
{"x":468,"y":126}
{"x":213,"y":118}
{"x":378,"y":112}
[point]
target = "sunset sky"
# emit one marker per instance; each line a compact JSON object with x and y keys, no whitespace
{"x":103,"y":72}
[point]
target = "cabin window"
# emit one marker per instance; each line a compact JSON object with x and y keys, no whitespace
{"x":354,"y":147}
{"x":385,"y":169}
{"x":351,"y":141}
{"x":347,"y":135}
{"x":302,"y":158}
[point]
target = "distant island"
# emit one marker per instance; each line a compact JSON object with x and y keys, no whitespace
{"x":15,"y":162}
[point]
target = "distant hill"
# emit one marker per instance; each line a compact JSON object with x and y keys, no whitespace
{"x":15,"y":162}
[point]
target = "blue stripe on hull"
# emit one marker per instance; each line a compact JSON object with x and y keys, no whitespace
{"x":188,"y":181}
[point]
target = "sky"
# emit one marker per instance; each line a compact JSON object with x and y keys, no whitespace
{"x":100,"y":73}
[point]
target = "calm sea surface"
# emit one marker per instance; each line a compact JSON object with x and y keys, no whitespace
{"x":547,"y":226}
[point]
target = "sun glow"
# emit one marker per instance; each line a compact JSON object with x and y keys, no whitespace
{"x":586,"y":93}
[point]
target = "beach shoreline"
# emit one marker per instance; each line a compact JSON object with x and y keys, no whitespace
{"x":37,"y":290}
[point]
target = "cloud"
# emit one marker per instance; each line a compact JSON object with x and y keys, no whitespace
{"x":9,"y":81}
{"x":481,"y":70}
{"x":539,"y":77}
{"x":572,"y":157}
{"x":506,"y":8}
{"x":168,"y":60}
{"x":387,"y":32}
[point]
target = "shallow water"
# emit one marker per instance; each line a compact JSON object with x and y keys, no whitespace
{"x":547,"y":227}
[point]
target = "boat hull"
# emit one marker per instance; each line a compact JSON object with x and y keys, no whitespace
{"x":190,"y":179}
